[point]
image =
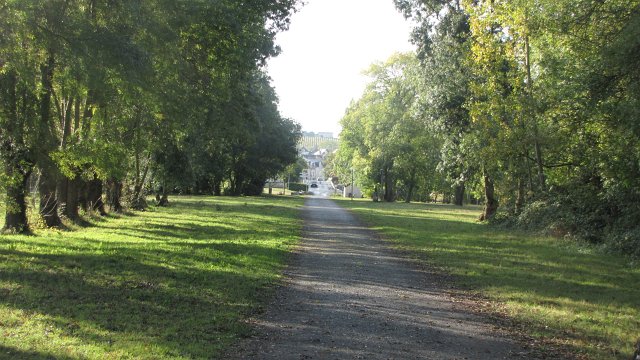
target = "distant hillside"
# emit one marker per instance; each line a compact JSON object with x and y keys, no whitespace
{"x":315,"y":142}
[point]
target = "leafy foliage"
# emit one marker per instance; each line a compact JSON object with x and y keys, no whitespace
{"x":128,"y":92}
{"x":384,"y":138}
{"x":531,"y":104}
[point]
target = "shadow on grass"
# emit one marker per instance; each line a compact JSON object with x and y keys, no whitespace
{"x":180,"y":296}
{"x":121,"y":294}
{"x":552,"y":285}
{"x":13,"y":353}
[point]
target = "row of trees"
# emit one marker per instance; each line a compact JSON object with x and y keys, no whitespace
{"x":106,"y":97}
{"x":532,"y":104}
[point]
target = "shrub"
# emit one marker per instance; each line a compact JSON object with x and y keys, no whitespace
{"x":297,"y":187}
{"x":606,"y":216}
{"x":627,"y":242}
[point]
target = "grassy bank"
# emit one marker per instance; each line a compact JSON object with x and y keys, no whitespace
{"x":170,"y":283}
{"x":556,"y":290}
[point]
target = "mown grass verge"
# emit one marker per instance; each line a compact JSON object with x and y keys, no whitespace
{"x":169,"y":283}
{"x":555,"y":290}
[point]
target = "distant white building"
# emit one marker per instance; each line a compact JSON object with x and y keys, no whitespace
{"x":304,"y":152}
{"x":321,"y":153}
{"x":313,"y":148}
{"x":315,"y":168}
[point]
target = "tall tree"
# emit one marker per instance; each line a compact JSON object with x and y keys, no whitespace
{"x":384,"y":133}
{"x":87,"y":83}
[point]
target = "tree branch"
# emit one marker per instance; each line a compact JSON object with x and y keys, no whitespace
{"x":554,"y":165}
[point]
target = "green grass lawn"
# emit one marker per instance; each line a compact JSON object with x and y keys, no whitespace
{"x":555,"y":289}
{"x":169,"y":283}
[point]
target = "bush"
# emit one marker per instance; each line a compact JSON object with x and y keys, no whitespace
{"x":627,"y":242}
{"x":254,"y":187}
{"x":297,"y":187}
{"x":600,"y":216}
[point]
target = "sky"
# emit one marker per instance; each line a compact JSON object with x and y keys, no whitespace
{"x":327,"y":47}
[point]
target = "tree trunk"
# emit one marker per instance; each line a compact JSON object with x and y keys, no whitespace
{"x":237,"y":183}
{"x":16,"y":168}
{"x":71,"y":206}
{"x":162,"y":197}
{"x":163,"y":200}
{"x":137,"y":199}
{"x":536,"y":132}
{"x":114,"y":196}
{"x":47,"y":186}
{"x":539,"y":162}
{"x":520,"y":196}
{"x":87,"y":114}
{"x":48,"y":200}
{"x":412,"y":187}
{"x":83,"y":199}
{"x":15,"y":220}
{"x":66,"y":122}
{"x":458,"y":197}
{"x":491,"y":204}
{"x":94,"y":195}
{"x":61,"y":192}
{"x":388,"y":188}
{"x":217,"y":186}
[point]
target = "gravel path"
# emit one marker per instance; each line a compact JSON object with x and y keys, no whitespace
{"x":348,"y":296}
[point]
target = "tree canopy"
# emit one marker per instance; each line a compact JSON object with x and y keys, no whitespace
{"x":529,"y":105}
{"x":124,"y":97}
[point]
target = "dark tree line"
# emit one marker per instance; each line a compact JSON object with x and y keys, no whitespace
{"x":104,"y":101}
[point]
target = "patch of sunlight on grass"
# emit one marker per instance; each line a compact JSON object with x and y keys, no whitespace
{"x":168,"y":283}
{"x":561,"y":291}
